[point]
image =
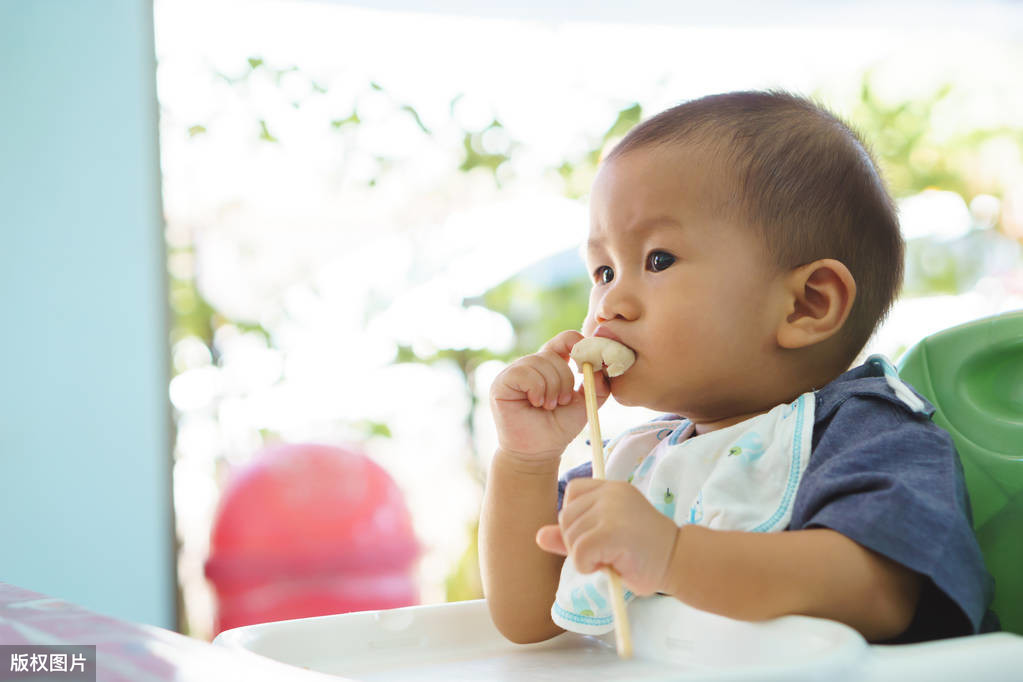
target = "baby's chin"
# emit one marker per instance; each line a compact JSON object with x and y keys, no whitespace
{"x":626,"y":392}
{"x":642,"y":394}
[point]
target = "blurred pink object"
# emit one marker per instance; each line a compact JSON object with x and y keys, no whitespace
{"x":310,"y":530}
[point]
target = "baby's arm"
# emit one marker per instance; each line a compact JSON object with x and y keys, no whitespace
{"x":537,"y":413}
{"x":743,"y":575}
{"x":812,"y":572}
{"x":519,"y":580}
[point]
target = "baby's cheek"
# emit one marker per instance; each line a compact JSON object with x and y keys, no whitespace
{"x":589,"y":325}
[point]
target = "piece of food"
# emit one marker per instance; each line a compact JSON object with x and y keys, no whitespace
{"x":601,"y":352}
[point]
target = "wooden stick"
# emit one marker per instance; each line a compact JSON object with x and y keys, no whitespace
{"x":623,"y":637}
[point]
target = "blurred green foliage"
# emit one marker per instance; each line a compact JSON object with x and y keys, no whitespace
{"x":464,"y":581}
{"x":901,"y":136}
{"x":577,"y":174}
{"x":538,"y":312}
{"x":477,"y":153}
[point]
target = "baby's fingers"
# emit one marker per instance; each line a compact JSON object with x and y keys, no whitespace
{"x":521,"y":380}
{"x":562,"y":393}
{"x":540,"y":387}
{"x":562,"y":343}
{"x":542,"y":384}
{"x":547,"y":365}
{"x":549,"y":539}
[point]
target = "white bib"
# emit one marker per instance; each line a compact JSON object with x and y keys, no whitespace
{"x":743,"y":477}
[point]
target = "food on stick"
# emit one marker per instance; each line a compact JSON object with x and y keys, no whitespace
{"x":601,"y":352}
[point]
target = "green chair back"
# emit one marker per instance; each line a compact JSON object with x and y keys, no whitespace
{"x":973,"y":374}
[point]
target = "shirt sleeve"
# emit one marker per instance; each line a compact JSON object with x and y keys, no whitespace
{"x":584,"y":470}
{"x":892,"y":482}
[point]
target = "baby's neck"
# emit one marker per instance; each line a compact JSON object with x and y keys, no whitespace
{"x":702,"y":427}
{"x":779,"y":383}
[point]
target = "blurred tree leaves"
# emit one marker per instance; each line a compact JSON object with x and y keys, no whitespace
{"x":480,"y":151}
{"x":409,"y":109}
{"x":374,"y":428}
{"x":577,"y":174}
{"x":901,"y":136}
{"x":264,"y":132}
{"x":193,"y":314}
{"x":464,"y":581}
{"x":353,"y":119}
{"x":538,"y":311}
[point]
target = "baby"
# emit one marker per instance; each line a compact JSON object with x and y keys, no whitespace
{"x":745,"y":248}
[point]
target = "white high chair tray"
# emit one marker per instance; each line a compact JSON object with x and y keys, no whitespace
{"x":457,"y":641}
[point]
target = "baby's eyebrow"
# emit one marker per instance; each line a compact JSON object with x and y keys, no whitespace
{"x":641,"y":227}
{"x":663,"y":220}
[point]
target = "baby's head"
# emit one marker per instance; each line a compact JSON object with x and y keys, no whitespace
{"x":743,"y":238}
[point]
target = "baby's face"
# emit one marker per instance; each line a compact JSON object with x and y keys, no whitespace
{"x":690,"y":289}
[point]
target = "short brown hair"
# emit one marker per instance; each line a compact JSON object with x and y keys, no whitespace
{"x":805,"y":179}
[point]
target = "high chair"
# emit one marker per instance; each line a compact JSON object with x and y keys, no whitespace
{"x":973,"y":375}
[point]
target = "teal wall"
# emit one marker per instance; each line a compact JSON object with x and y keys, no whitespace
{"x":85,"y":464}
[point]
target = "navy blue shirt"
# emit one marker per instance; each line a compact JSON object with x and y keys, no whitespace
{"x":890,"y":479}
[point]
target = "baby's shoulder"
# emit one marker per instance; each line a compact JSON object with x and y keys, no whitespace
{"x":873,"y":388}
{"x":871,"y":413}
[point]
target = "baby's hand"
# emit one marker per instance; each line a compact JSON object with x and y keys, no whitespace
{"x":610,"y":523}
{"x":535,"y":405}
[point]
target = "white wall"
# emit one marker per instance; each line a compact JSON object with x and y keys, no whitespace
{"x":85,"y":464}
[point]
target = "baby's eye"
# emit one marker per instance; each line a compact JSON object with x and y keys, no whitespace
{"x":603,"y":274}
{"x":659,"y":260}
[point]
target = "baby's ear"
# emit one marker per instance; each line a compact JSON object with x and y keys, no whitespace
{"x":819,"y":296}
